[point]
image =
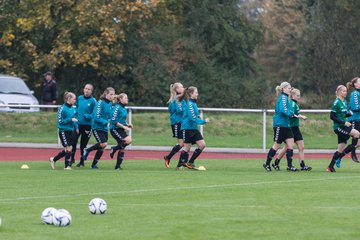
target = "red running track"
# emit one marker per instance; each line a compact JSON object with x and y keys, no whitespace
{"x":43,"y":154}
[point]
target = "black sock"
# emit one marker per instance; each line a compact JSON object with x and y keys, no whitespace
{"x":59,"y":155}
{"x":334,"y":158}
{"x":270,"y":156}
{"x":73,"y":151}
{"x":97,"y":157}
{"x":289,"y":156}
{"x":348,"y":149}
{"x":67,"y":159}
{"x":183,"y":158}
{"x":81,"y":153}
{"x":195,"y":154}
{"x":277,"y":161}
{"x":94,"y":147}
{"x":302,"y":163}
{"x":173,"y":151}
{"x":119,"y":159}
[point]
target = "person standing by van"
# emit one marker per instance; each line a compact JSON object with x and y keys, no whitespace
{"x":48,"y":90}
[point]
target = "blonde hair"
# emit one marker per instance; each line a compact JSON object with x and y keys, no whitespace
{"x":68,"y":95}
{"x":338,"y":89}
{"x":293,"y":92}
{"x":106,"y":91}
{"x":173,"y":92}
{"x":117,"y":98}
{"x":280,"y":88}
{"x":350,"y":85}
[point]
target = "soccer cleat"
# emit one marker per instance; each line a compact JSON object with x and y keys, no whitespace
{"x":167,"y":162}
{"x":52,"y":163}
{"x":179,"y":168}
{"x":354,"y":157}
{"x":292,"y":169}
{"x":276,"y":166}
{"x":306,"y":168}
{"x":330,"y":169}
{"x":94,"y":167}
{"x":112,"y":152}
{"x":80,"y":164}
{"x":68,"y":168}
{"x":338,"y":162}
{"x":189,"y":165}
{"x":118,"y":168}
{"x":267,"y":167}
{"x":85,"y":154}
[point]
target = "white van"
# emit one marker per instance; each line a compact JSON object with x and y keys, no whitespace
{"x":14,"y":91}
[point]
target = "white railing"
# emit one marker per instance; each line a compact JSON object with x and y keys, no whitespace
{"x":201,"y":113}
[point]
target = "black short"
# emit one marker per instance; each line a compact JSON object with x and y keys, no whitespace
{"x":282,"y":133}
{"x":176,"y":130}
{"x":343,"y":133}
{"x":297,"y":134}
{"x":355,"y":125}
{"x":118,"y":134}
{"x":191,"y":136}
{"x":100,"y":136}
{"x":66,"y":138}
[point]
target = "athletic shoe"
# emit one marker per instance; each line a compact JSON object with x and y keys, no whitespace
{"x":167,"y":162}
{"x":276,"y":166}
{"x":330,"y":169}
{"x":118,"y":168}
{"x":179,"y":168}
{"x":189,"y":165}
{"x":52,"y":163}
{"x":338,"y":162}
{"x":112,"y":152}
{"x":85,"y":154}
{"x":68,"y":168}
{"x":72,"y":160}
{"x":292,"y":169}
{"x":94,"y":167}
{"x":80,"y":164}
{"x":306,"y":168}
{"x":354,"y":157}
{"x":267,"y":167}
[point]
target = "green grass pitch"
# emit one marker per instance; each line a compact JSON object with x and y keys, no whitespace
{"x":233,"y":199}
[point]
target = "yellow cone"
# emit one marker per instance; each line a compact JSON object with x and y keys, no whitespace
{"x":24,"y":166}
{"x":201,"y":168}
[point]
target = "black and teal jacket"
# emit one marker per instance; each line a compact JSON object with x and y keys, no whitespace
{"x":354,"y":106}
{"x":191,"y":120}
{"x":283,"y":111}
{"x":118,"y":115}
{"x":65,"y":113}
{"x":84,"y":108}
{"x":175,"y":109}
{"x":101,"y":115}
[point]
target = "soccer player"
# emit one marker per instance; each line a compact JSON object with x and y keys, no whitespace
{"x":84,"y":107}
{"x":66,"y":123}
{"x":119,"y":127}
{"x":175,"y":109}
{"x":282,"y":130}
{"x":101,"y":116}
{"x":342,"y":127}
{"x":189,"y":127}
{"x":354,"y":107}
{"x":298,"y":138}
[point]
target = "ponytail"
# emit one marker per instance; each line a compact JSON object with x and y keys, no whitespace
{"x":279,"y":89}
{"x":351,"y":85}
{"x":173,"y":92}
{"x":186,"y":93}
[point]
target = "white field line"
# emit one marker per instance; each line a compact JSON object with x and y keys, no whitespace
{"x":174,"y":189}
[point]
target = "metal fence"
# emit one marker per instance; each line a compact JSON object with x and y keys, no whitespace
{"x":263,"y":112}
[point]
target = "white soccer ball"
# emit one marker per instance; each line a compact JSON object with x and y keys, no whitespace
{"x":62,"y":218}
{"x":47,"y":215}
{"x":97,"y":206}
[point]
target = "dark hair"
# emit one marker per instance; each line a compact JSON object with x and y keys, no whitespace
{"x":186,"y":94}
{"x":48,"y":73}
{"x":351,"y":84}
